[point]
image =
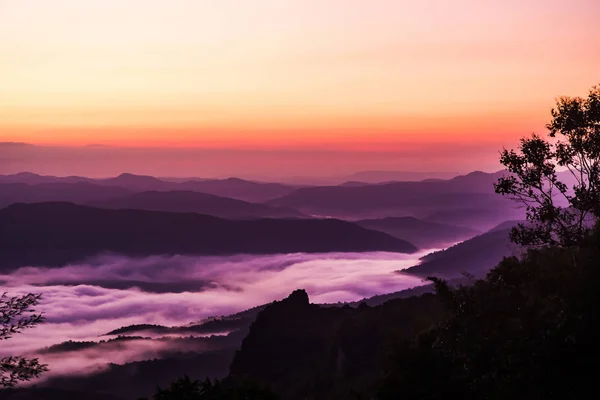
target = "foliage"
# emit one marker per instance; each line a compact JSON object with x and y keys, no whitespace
{"x":526,"y":331}
{"x":228,"y":389}
{"x":16,"y":315}
{"x":557,"y":213}
{"x":306,"y":351}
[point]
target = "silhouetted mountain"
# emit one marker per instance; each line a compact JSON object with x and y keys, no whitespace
{"x":303,"y":350}
{"x":475,"y":256}
{"x":177,"y":351}
{"x":428,"y":287}
{"x":138,"y":182}
{"x":240,"y":189}
{"x":58,"y":233}
{"x":225,"y":324}
{"x":476,"y":181}
{"x":159,"y":347}
{"x":423,"y":234}
{"x":354,"y":183}
{"x":417,"y":199}
{"x":481,"y":219}
{"x":405,"y":176}
{"x":527,"y":318}
{"x":231,"y":187}
{"x":292,"y":345}
{"x":202,"y":203}
{"x":234,"y":188}
{"x":81,"y":192}
{"x":180,"y":352}
{"x":34,"y":179}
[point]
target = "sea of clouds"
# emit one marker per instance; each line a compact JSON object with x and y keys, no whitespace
{"x":84,"y":301}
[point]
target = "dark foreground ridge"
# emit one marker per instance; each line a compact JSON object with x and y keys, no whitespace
{"x":307,"y":351}
{"x":537,"y":315}
{"x":54,"y":234}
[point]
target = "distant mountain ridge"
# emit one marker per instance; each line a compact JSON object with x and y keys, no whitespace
{"x":197,"y":202}
{"x":418,"y":199}
{"x":58,"y":233}
{"x":76,"y":192}
{"x":423,"y":234}
{"x":466,"y":201}
{"x":475,"y":256}
{"x":231,"y":187}
{"x":405,"y":176}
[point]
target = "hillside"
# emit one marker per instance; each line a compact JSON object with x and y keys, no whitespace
{"x":418,"y":199}
{"x":81,"y":192}
{"x":240,"y":189}
{"x":389,"y":176}
{"x":479,"y":218}
{"x":231,"y":187}
{"x":423,"y":234}
{"x":303,"y":350}
{"x":58,"y":233}
{"x":475,"y":256}
{"x":196,"y":202}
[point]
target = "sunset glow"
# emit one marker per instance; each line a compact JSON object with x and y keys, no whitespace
{"x":285,"y":74}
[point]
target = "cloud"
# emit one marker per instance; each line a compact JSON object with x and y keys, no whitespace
{"x":78,"y":305}
{"x":96,"y":358}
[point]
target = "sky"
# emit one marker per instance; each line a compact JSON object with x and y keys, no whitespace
{"x":271,"y":76}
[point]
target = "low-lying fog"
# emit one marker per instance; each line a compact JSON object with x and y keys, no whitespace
{"x":84,"y":301}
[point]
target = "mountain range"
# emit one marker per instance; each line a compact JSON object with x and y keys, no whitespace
{"x":475,"y":256}
{"x":422,"y":200}
{"x":196,"y":202}
{"x":231,"y":187}
{"x":429,"y":214}
{"x":59,"y":233}
{"x":423,"y":234}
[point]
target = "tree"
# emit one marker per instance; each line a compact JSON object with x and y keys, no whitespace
{"x":227,"y":389}
{"x":556,"y":213}
{"x":16,"y":315}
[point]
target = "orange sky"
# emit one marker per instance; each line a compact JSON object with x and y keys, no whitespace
{"x":280,"y":73}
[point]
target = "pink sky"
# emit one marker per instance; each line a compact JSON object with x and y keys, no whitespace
{"x":266,"y":75}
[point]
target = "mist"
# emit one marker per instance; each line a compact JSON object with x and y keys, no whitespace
{"x":84,"y":301}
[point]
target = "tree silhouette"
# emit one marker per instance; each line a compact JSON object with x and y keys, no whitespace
{"x":557,"y":213}
{"x":16,"y":315}
{"x":227,"y":389}
{"x":529,"y":329}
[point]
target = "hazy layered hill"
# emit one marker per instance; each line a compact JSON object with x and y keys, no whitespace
{"x":80,"y":192}
{"x":482,"y":219}
{"x":234,"y":188}
{"x":475,"y":256}
{"x":240,"y":189}
{"x":178,"y":351}
{"x":388,"y":176}
{"x":231,"y":187}
{"x":34,"y":179}
{"x":58,"y":233}
{"x":418,"y":199}
{"x":115,"y":197}
{"x":136,"y":182}
{"x":423,"y":234}
{"x":202,"y":203}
